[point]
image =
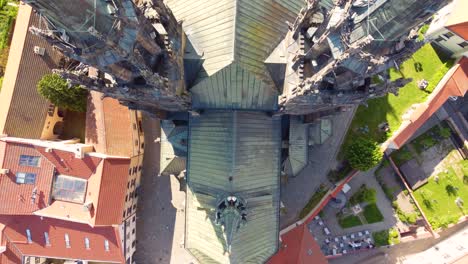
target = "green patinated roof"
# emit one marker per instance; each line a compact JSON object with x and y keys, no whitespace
{"x":298,"y":145}
{"x":240,"y":32}
{"x":233,"y":153}
{"x":173,"y":148}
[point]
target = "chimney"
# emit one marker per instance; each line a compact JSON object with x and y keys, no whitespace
{"x":4,"y":171}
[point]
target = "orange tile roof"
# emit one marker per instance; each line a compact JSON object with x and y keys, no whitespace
{"x":24,"y":69}
{"x":455,"y":83}
{"x":65,"y":163}
{"x":109,"y":126}
{"x":298,"y":247}
{"x":111,"y":201}
{"x":16,"y":198}
{"x":15,"y":233}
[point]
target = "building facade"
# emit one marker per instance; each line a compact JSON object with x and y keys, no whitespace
{"x":449,"y":29}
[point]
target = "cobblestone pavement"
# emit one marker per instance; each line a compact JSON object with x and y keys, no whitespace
{"x":161,"y":217}
{"x":297,"y":191}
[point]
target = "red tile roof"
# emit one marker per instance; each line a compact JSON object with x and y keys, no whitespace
{"x":110,"y":205}
{"x":16,"y":198}
{"x":109,"y":126}
{"x":15,"y":233}
{"x":298,"y":247}
{"x":455,"y":84}
{"x":65,"y":163}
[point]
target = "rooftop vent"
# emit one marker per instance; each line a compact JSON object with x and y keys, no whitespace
{"x":87,"y":206}
{"x":39,"y":51}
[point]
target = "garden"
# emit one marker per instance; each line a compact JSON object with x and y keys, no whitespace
{"x":382,"y":116}
{"x":386,"y":237}
{"x":444,"y":198}
{"x":370,"y":214}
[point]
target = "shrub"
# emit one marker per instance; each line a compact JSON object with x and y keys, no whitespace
{"x":57,"y":90}
{"x":314,"y":200}
{"x":335,"y":176}
{"x":386,"y":237}
{"x":363,"y":195}
{"x":363,"y":154}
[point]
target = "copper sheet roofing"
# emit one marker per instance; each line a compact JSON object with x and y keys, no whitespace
{"x":22,"y":110}
{"x":454,"y":83}
{"x":15,"y":233}
{"x":16,"y":198}
{"x":109,"y":126}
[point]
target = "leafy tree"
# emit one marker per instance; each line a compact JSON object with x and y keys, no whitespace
{"x":60,"y":93}
{"x":363,"y":154}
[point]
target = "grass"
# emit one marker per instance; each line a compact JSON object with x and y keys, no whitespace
{"x":386,"y":237}
{"x":363,"y":194}
{"x":349,"y":221}
{"x":391,"y":108}
{"x":372,"y":214}
{"x":313,"y":201}
{"x":437,"y":197}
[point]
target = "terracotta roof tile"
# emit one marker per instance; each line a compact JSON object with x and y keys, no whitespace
{"x":298,"y":247}
{"x":109,"y":126}
{"x":109,"y":208}
{"x":23,"y":71}
{"x":16,"y":198}
{"x":15,"y":231}
{"x":65,"y":163}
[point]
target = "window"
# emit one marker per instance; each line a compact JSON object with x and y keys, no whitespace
{"x":133,"y":231}
{"x":26,"y":160}
{"x":448,"y":35}
{"x":439,"y":39}
{"x":67,"y":241}
{"x":133,"y":219}
{"x":133,"y":244}
{"x":28,"y":234}
{"x":25,"y":178}
{"x":463,"y":44}
{"x":106,"y":245}
{"x":46,"y":238}
{"x":134,"y":126}
{"x":86,"y":242}
{"x":69,"y":189}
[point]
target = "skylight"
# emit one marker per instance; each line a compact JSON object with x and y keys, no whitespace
{"x":26,"y":160}
{"x":68,"y":188}
{"x":67,"y":241}
{"x":46,"y":238}
{"x":86,"y":241}
{"x":28,"y":234}
{"x":25,"y":178}
{"x":106,"y":245}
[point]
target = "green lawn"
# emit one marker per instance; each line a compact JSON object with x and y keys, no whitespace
{"x":372,"y":214}
{"x":314,"y":200}
{"x":386,"y":237}
{"x":349,"y":221}
{"x":391,"y":108}
{"x":437,"y":197}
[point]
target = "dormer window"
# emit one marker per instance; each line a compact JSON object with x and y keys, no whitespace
{"x":86,"y":241}
{"x":67,"y":241}
{"x":28,"y":235}
{"x":25,"y":178}
{"x":31,"y":161}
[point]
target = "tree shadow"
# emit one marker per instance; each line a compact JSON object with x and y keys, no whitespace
{"x":451,"y":190}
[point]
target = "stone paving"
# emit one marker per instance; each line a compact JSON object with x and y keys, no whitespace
{"x":161,"y":217}
{"x":297,"y":191}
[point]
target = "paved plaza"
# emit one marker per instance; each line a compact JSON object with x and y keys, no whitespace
{"x":161,"y":217}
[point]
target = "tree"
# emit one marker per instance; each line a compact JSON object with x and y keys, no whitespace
{"x":363,"y":154}
{"x":55,"y":89}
